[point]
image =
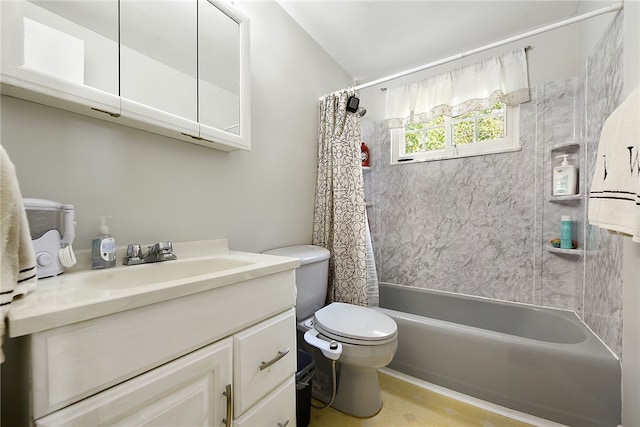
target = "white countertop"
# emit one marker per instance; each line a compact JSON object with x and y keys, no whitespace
{"x":82,"y":294}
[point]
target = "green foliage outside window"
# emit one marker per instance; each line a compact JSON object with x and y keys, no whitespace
{"x":474,"y":126}
{"x":415,"y":140}
{"x":490,"y":128}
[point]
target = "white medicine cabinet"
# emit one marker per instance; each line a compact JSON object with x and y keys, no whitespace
{"x":59,"y":54}
{"x":179,"y":68}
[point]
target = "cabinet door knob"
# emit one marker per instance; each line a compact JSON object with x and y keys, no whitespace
{"x":280,"y":355}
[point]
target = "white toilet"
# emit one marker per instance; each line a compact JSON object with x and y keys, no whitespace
{"x":361,"y":339}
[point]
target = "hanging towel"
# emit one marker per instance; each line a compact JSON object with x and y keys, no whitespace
{"x":18,"y":269}
{"x":614,"y":200}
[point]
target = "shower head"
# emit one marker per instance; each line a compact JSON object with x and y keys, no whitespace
{"x":362,"y":112}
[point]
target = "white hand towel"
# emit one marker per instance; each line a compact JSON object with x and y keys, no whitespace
{"x":614,"y":200}
{"x":18,"y":266}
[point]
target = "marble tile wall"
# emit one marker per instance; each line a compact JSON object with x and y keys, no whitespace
{"x":603,"y":258}
{"x":476,"y":225}
{"x":481,"y":225}
{"x":460,"y":225}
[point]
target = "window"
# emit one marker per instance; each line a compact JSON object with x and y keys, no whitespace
{"x":471,"y":134}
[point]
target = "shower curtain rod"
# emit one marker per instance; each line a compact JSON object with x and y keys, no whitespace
{"x":611,"y":8}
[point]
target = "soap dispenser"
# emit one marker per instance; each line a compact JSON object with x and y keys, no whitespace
{"x":564,"y":178}
{"x":103,"y":248}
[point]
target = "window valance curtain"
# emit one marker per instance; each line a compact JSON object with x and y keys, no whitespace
{"x":472,"y":87}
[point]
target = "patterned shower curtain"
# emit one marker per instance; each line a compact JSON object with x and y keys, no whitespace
{"x":339,"y":222}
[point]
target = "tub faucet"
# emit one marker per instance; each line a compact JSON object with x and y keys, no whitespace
{"x":161,"y":251}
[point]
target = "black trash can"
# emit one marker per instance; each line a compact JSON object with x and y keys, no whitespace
{"x":304,"y":374}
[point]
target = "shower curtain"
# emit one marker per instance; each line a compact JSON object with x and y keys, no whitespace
{"x":340,"y":220}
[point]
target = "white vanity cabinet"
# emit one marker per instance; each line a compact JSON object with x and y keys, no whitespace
{"x":188,"y":360}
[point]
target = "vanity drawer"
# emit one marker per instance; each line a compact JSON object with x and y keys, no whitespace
{"x":277,"y":410}
{"x":264,"y":356}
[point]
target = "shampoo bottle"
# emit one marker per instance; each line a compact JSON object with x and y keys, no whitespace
{"x":103,"y":248}
{"x":564,"y":178}
{"x":566,"y":232}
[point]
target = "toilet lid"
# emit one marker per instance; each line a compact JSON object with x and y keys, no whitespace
{"x":348,"y":322}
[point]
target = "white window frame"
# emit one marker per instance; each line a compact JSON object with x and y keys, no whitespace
{"x":510,"y":142}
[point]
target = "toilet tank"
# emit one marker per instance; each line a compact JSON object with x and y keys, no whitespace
{"x":311,"y":277}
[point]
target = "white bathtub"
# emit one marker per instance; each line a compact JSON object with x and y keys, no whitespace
{"x":540,"y":361}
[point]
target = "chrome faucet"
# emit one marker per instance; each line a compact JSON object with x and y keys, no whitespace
{"x":162,"y":251}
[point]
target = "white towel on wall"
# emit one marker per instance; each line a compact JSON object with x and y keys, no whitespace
{"x":614,"y":200}
{"x":18,"y":265}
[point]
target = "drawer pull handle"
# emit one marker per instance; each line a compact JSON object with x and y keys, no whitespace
{"x":281,"y":354}
{"x":286,"y":423}
{"x":227,"y":393}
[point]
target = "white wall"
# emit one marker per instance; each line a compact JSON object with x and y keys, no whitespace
{"x":631,"y":46}
{"x":591,"y":29}
{"x":631,"y":334}
{"x":157,"y":188}
{"x":631,"y":251}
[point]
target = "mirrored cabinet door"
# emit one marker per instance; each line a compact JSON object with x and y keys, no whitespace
{"x":223,"y":74}
{"x":61,"y":48}
{"x":218,"y":68}
{"x":158,"y":57}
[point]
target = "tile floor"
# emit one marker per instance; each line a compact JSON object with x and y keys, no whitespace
{"x":405,"y":404}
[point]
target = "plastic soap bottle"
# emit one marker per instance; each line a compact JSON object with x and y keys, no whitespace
{"x":103,"y":248}
{"x":364,"y":155}
{"x":566,"y":232}
{"x":564,"y":178}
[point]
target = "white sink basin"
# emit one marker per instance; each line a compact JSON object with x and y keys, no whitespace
{"x":159,"y":272}
{"x":81,"y":293}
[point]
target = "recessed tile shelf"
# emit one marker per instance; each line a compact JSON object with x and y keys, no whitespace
{"x":566,"y":147}
{"x":560,"y":199}
{"x":574,"y":252}
{"x":571,"y":148}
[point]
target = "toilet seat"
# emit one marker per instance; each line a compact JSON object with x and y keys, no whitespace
{"x":353,"y":324}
